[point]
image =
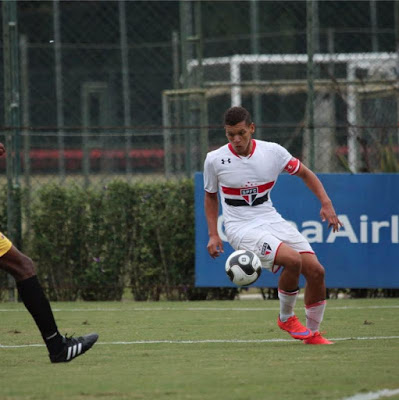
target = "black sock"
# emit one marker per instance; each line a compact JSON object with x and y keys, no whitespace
{"x":36,"y":302}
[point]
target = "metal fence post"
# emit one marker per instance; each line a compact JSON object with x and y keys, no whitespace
{"x":125,"y":84}
{"x":12,"y":121}
{"x":396,"y":12}
{"x":255,"y":50}
{"x":310,"y":80}
{"x":59,"y":90}
{"x":25,"y":116}
{"x":167,"y":141}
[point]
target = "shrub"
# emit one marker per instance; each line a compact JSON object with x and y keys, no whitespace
{"x":92,"y":244}
{"x":164,"y":240}
{"x":109,"y":242}
{"x":59,"y":221}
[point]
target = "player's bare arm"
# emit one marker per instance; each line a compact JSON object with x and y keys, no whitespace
{"x":2,"y":149}
{"x":215,"y":244}
{"x":327,"y":212}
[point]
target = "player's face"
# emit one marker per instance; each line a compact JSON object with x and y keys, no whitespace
{"x":240,"y":137}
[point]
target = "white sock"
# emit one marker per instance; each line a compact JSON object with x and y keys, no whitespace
{"x":314,"y":315}
{"x":287,"y":303}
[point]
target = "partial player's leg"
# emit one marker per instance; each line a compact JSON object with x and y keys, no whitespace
{"x":32,"y":295}
{"x":314,"y":274}
{"x":21,"y":268}
{"x":273,"y":253}
{"x":315,"y":297}
{"x":288,"y":292}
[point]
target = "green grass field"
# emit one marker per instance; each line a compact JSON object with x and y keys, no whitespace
{"x":202,"y":350}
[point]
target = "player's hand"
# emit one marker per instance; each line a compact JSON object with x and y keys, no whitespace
{"x":2,"y":149}
{"x":327,"y":213}
{"x":215,"y":246}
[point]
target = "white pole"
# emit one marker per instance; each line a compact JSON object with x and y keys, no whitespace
{"x":235,"y":79}
{"x":352,"y":120}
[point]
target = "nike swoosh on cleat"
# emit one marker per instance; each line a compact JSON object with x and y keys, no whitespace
{"x":307,"y":332}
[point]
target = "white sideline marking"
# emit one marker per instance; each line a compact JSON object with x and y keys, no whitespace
{"x":2,"y":346}
{"x":373,"y":395}
{"x":198,"y":309}
{"x":241,"y":340}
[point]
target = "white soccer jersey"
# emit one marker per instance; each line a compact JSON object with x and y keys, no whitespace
{"x":245,"y":183}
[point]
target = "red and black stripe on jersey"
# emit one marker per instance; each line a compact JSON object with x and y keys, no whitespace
{"x":249,"y":196}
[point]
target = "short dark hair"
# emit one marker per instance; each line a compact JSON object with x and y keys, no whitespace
{"x":235,"y":115}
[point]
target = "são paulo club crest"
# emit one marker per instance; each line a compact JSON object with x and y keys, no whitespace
{"x":249,"y":194}
{"x":266,"y":249}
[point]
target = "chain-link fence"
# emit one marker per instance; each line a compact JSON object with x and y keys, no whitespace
{"x":137,"y":89}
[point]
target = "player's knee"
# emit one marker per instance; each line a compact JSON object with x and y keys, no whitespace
{"x":294,"y":262}
{"x":316,"y":273}
{"x":26,"y":267}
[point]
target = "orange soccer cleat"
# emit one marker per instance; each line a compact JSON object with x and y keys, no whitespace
{"x":295,"y":328}
{"x":317,"y":339}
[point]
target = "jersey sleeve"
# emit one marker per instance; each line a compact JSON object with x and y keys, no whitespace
{"x":292,"y":166}
{"x":284,"y":160}
{"x":210,"y":177}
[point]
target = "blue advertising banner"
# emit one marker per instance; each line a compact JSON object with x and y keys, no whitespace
{"x":363,"y":254}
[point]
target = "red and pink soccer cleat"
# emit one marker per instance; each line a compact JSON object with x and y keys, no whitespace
{"x":295,"y":328}
{"x":317,"y":339}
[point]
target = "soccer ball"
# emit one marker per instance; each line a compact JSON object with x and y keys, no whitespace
{"x":243,"y":267}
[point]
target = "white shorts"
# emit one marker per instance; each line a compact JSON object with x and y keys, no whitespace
{"x":266,"y":239}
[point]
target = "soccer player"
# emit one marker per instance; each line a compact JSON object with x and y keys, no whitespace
{"x":244,"y":172}
{"x":60,"y":348}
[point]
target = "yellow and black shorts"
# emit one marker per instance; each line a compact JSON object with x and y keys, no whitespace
{"x":5,"y":245}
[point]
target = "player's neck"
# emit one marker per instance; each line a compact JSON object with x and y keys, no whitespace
{"x":248,"y":149}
